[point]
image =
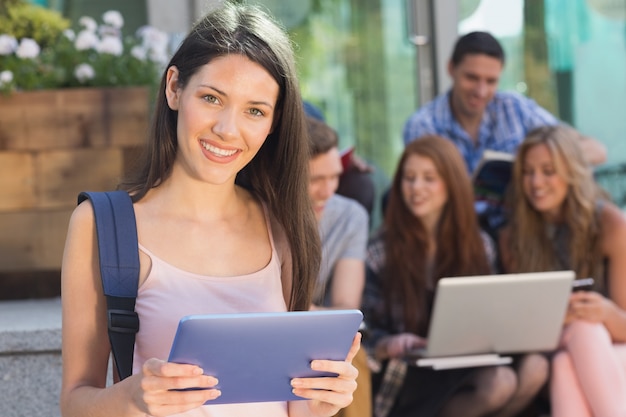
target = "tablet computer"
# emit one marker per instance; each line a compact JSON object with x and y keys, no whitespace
{"x":255,"y":355}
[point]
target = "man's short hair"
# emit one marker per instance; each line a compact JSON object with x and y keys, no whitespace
{"x":322,"y":138}
{"x":313,"y":111}
{"x":477,"y":43}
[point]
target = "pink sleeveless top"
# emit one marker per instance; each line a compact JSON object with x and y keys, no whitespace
{"x":170,"y":293}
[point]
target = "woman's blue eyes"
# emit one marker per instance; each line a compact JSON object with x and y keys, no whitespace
{"x":209,"y":98}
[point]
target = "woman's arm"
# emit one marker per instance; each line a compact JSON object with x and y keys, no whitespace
{"x":348,"y":272}
{"x":85,"y":345}
{"x":347,"y":283}
{"x":593,"y":306}
{"x":613,"y":245}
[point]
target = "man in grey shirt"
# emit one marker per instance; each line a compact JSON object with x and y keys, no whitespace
{"x":343,"y":226}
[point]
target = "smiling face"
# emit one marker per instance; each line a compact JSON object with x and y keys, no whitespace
{"x":225,"y":113}
{"x":543,"y":186}
{"x":324,"y":172}
{"x":475,"y":82}
{"x":423,"y":190}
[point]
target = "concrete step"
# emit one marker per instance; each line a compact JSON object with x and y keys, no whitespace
{"x":30,"y":357}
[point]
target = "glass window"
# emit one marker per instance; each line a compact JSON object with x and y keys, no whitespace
{"x":357,"y":65}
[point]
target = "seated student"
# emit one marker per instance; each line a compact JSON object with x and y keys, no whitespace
{"x":475,"y":115}
{"x":343,"y":228}
{"x":430,"y":231}
{"x":561,"y":220}
{"x":355,"y":181}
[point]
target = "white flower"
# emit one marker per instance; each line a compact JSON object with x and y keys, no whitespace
{"x":158,"y":56}
{"x":8,"y":44}
{"x":88,"y":23}
{"x":27,"y":49}
{"x":86,"y":40}
{"x":155,"y":42}
{"x":69,"y":34}
{"x":6,"y":77}
{"x":153,"y":38}
{"x":113,"y":18}
{"x":110,"y":45}
{"x":84,"y":72}
{"x":139,"y":52}
{"x":105,"y":30}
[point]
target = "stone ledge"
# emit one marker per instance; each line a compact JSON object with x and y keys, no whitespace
{"x":30,"y":385}
{"x":30,"y":357}
{"x":30,"y":326}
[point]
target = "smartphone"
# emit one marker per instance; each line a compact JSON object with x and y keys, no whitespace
{"x":583,"y":284}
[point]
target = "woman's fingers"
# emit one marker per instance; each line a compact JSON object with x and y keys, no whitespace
{"x":343,"y":369}
{"x":588,"y":305}
{"x":169,"y":369}
{"x":356,"y":346}
{"x":170,"y":388}
{"x":177,"y":402}
{"x":335,"y":399}
{"x":189,"y":398}
{"x":343,"y":384}
{"x":160,"y":375}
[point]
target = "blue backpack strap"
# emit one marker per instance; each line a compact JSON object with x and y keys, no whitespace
{"x":119,"y":268}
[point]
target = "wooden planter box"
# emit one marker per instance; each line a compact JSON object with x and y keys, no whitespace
{"x":54,"y":144}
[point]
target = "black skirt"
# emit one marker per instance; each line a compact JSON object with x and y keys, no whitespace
{"x":424,"y":391}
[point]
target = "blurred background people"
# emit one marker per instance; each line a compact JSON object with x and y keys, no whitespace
{"x":430,"y":231}
{"x":562,"y":220}
{"x":355,"y":181}
{"x":477,"y":117}
{"x":343,"y":228}
{"x":474,"y":115}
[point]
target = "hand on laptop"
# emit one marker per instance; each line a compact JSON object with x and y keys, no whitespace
{"x":398,"y":345}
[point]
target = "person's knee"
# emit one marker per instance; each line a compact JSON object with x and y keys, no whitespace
{"x":581,"y":329}
{"x":533,"y":373}
{"x":497,"y":386}
{"x":561,"y":361}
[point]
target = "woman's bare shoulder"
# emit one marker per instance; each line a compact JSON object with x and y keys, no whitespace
{"x":82,"y":219}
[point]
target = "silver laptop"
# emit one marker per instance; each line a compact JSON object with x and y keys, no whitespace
{"x":497,"y":314}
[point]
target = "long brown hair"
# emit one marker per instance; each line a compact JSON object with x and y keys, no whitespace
{"x":278,"y":174}
{"x":460,"y":249}
{"x":531,"y":247}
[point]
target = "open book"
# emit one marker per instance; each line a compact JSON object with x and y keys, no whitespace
{"x":346,"y":157}
{"x":492,"y":176}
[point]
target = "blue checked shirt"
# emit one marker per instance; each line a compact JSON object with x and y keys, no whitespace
{"x":507,"y":119}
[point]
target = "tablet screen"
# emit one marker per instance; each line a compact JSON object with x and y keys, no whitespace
{"x":255,"y":355}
